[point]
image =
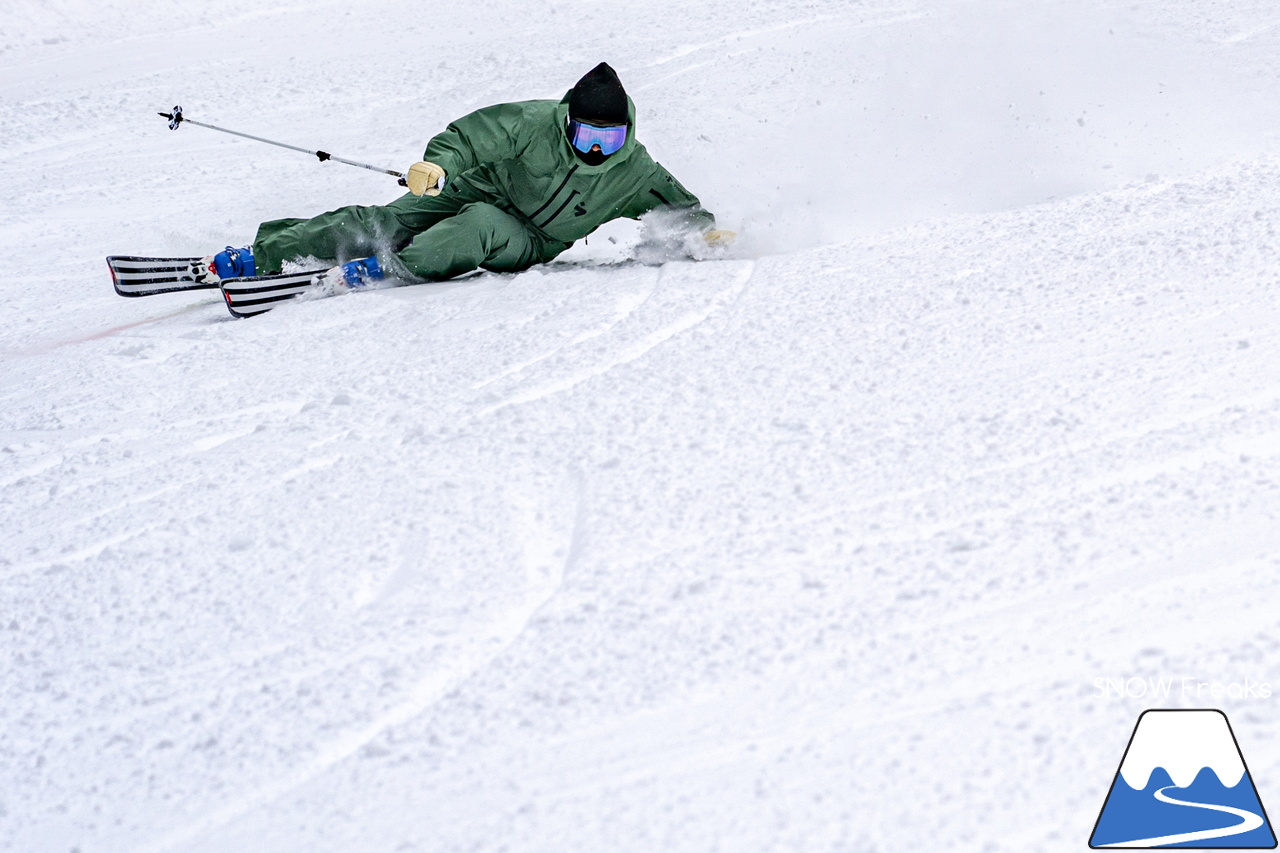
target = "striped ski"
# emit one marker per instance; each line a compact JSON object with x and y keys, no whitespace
{"x":137,"y":276}
{"x":255,"y":294}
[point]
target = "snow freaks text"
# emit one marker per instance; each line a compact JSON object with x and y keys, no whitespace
{"x":1183,"y":687}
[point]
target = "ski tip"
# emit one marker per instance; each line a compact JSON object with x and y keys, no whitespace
{"x":231,"y":305}
{"x":136,"y":275}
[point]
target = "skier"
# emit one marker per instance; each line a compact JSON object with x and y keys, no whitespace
{"x":502,"y":189}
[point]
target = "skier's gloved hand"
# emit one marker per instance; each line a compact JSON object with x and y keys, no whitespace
{"x":719,"y":237}
{"x":425,"y":177}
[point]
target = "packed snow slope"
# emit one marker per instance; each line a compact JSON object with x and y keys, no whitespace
{"x":816,"y":545}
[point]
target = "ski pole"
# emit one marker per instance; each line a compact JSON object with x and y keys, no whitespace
{"x":176,"y":118}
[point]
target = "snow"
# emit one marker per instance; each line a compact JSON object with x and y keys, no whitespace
{"x":821,"y":544}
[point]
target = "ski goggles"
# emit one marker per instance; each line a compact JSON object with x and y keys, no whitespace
{"x":610,"y":137}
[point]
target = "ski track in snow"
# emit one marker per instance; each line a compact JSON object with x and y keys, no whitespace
{"x":633,"y":351}
{"x":627,"y":305}
{"x":758,"y":552}
{"x":494,"y":639}
{"x":111,"y":332}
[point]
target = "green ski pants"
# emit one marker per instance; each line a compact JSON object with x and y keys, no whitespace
{"x":430,"y":238}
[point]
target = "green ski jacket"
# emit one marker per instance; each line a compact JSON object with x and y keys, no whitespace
{"x":518,"y":156}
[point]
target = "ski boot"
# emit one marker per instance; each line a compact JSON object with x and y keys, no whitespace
{"x":229,"y":263}
{"x":354,"y":274}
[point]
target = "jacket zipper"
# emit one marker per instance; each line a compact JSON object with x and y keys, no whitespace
{"x":547,"y":203}
{"x":552,"y":217}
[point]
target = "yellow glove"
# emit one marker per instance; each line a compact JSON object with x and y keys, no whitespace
{"x":719,"y":237}
{"x":425,"y":177}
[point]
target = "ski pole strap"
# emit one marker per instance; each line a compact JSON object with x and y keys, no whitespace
{"x":176,"y":118}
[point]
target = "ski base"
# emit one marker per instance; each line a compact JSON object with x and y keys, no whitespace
{"x":138,"y":276}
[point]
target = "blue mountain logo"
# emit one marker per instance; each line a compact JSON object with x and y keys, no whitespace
{"x":1183,"y":783}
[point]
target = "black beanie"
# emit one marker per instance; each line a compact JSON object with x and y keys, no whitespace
{"x":599,"y":97}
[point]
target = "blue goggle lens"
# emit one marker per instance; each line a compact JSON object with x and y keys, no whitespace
{"x":610,"y":138}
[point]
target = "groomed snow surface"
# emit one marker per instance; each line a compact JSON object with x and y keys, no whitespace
{"x":821,"y":544}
